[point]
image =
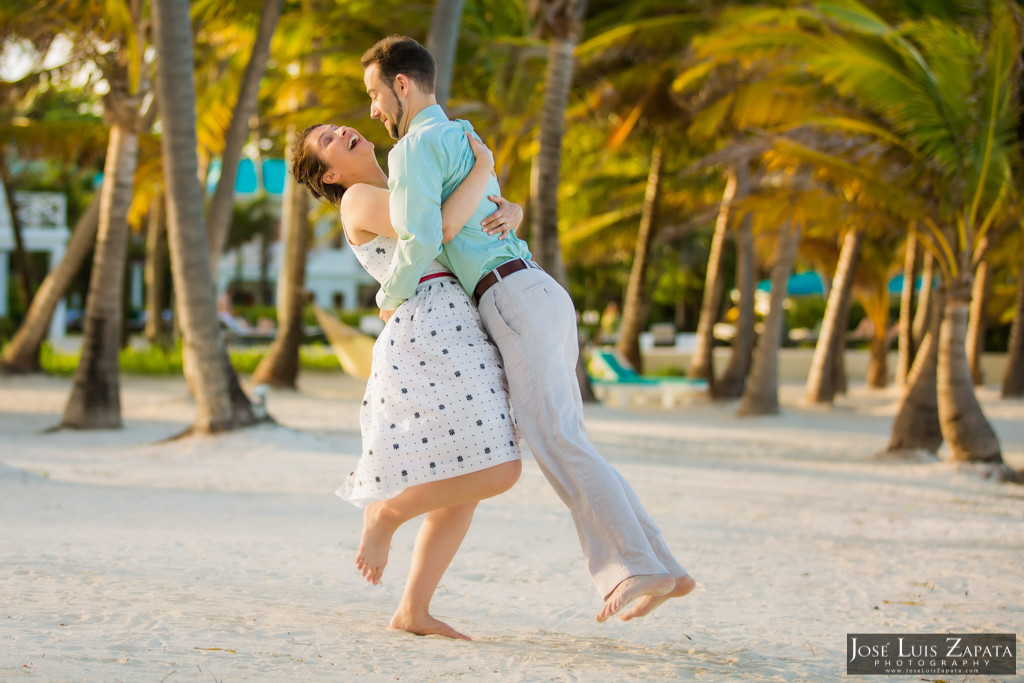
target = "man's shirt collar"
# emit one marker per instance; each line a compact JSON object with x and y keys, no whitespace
{"x":432,"y":113}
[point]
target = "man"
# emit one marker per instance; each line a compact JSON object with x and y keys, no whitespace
{"x":530,"y":318}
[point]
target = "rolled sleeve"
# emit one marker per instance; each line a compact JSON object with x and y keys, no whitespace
{"x":415,"y":181}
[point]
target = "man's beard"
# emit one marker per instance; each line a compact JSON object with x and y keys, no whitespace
{"x":392,"y":125}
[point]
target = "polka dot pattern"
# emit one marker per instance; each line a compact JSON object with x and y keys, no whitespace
{"x":436,"y":404}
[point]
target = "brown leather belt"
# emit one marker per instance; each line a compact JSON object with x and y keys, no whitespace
{"x":502,"y":271}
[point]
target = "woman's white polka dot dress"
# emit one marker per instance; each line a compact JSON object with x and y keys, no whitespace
{"x":436,"y":404}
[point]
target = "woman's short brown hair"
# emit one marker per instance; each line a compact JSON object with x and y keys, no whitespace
{"x":309,"y":169}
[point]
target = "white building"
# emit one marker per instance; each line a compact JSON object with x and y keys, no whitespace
{"x":44,"y":229}
{"x":333,"y":274}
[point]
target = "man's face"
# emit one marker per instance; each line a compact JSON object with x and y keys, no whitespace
{"x":384,"y":102}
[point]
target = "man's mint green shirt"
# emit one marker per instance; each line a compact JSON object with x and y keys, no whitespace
{"x":424,"y":168}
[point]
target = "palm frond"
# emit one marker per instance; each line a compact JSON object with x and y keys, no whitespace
{"x":990,"y":148}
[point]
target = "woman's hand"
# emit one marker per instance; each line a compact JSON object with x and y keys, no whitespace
{"x":507,"y":218}
{"x":480,"y":152}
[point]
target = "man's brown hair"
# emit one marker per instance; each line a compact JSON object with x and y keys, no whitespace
{"x":402,"y":55}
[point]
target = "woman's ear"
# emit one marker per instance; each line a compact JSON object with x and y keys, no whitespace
{"x":330,"y":177}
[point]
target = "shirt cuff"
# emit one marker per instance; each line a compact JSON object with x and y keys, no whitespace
{"x":387,"y":303}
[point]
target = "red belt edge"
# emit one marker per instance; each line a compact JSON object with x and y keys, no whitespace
{"x":435,"y":275}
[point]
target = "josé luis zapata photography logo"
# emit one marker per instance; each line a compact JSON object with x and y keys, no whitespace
{"x":931,"y":653}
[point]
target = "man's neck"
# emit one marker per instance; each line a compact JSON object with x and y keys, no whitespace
{"x":416,"y":105}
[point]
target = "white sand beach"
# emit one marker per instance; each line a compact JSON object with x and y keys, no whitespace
{"x":228,"y":558}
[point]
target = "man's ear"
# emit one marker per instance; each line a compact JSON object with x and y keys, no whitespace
{"x":402,"y":85}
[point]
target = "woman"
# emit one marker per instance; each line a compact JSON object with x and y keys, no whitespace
{"x":438,"y":436}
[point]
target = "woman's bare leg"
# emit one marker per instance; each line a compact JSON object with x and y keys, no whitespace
{"x":437,"y":542}
{"x":382,"y":518}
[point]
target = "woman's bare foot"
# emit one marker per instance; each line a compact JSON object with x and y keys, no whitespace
{"x":633,"y":588}
{"x":375,"y":543}
{"x":648,"y":603}
{"x":423,"y":625}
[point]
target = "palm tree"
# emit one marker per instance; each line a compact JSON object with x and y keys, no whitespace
{"x":735,"y":103}
{"x":975,"y":341}
{"x":631,"y":61}
{"x":112,"y":40}
{"x":156,"y":331}
{"x":907,"y":349}
{"x":917,"y":426}
{"x":562,"y":22}
{"x":25,"y":278}
{"x":22,"y":353}
{"x":49,"y":126}
{"x":1013,"y":375}
{"x":214,"y":386}
{"x":634,"y":311}
{"x":95,"y":401}
{"x":761,"y":393}
{"x":827,"y":351}
{"x":734,"y":379}
{"x":237,"y":132}
{"x":442,"y":40}
{"x":280,"y":367}
{"x":871,"y":288}
{"x":701,"y":362}
{"x":926,"y":300}
{"x":942,"y":96}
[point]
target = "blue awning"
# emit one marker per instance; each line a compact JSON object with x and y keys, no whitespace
{"x":896,"y":285}
{"x":811,"y":284}
{"x":800,"y":284}
{"x":247,"y":182}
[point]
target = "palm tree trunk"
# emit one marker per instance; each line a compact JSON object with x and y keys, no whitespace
{"x":731,"y":384}
{"x":916,"y":425}
{"x":839,"y":383}
{"x":280,"y":367}
{"x":905,"y":356}
{"x":220,"y":402}
{"x":878,"y":361}
{"x":22,"y":354}
{"x":964,"y":426}
{"x":95,"y":400}
{"x":25,"y":278}
{"x":878,"y":364}
{"x":820,"y":381}
{"x":924,"y":301}
{"x":546,"y":169}
{"x":266,"y":291}
{"x":635,"y":307}
{"x":441,"y":42}
{"x":1013,"y":375}
{"x":156,"y":241}
{"x":702,"y":363}
{"x":975,"y":342}
{"x":761,"y":394}
{"x":238,"y":131}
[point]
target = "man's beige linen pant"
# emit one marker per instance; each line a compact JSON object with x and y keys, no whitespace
{"x":532,"y":321}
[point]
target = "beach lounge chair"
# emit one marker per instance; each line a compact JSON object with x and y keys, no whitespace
{"x":616,"y":383}
{"x":352,"y":348}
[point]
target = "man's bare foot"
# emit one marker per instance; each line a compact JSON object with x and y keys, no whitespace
{"x":424,"y":625}
{"x":648,"y":603}
{"x":635,"y":587}
{"x":372,"y":556}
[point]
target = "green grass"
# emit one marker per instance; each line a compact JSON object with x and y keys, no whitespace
{"x":153,"y":360}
